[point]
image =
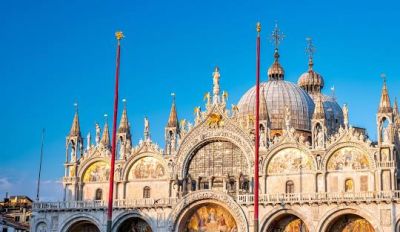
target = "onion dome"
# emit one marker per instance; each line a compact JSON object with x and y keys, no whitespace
{"x":311,"y":81}
{"x":280,"y":94}
{"x":275,"y":71}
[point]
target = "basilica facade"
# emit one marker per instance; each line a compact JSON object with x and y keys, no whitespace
{"x":317,"y":173}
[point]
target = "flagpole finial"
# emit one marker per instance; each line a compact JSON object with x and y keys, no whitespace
{"x":119,"y":35}
{"x":258,"y":27}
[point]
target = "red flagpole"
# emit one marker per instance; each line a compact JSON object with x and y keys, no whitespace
{"x":257,"y":131}
{"x":119,"y":36}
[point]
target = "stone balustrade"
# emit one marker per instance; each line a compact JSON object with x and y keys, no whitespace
{"x":386,"y":164}
{"x":99,"y":205}
{"x":309,"y":198}
{"x":245,"y":199}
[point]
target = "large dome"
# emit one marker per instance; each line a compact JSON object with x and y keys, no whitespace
{"x":280,"y":94}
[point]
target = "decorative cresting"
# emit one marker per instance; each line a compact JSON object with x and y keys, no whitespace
{"x":227,"y":131}
{"x":199,"y":198}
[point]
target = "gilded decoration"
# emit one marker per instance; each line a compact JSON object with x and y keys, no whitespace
{"x":351,"y":224}
{"x":147,"y":168}
{"x":348,"y":158}
{"x":97,"y":172}
{"x":290,"y":160}
{"x":214,"y":120}
{"x":211,"y":218}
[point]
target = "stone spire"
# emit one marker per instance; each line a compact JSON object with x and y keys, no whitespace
{"x":124,"y":124}
{"x":173,"y":116}
{"x":263,"y":106}
{"x":395,"y":108}
{"x":75,"y":128}
{"x":384,"y":104}
{"x":319,"y":112}
{"x":105,"y":139}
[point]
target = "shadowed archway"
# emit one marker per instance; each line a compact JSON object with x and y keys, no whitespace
{"x":350,"y":222}
{"x":83,"y":226}
{"x":287,"y":223}
{"x":134,"y":224}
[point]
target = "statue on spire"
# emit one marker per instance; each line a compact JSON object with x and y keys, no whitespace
{"x":146,"y":129}
{"x":216,"y":88}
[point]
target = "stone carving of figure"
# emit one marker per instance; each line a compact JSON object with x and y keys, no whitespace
{"x":88,"y":141}
{"x":73,"y":153}
{"x":98,"y":131}
{"x":288,"y":117}
{"x":183,"y":126}
{"x":319,"y":138}
{"x":197,"y":112}
{"x":118,"y":171}
{"x":385,"y":135}
{"x":319,"y":161}
{"x":263,"y":139}
{"x":122,"y":150}
{"x":146,"y":129}
{"x":345,"y":110}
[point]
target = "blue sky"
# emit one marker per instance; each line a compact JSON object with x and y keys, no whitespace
{"x":53,"y":53}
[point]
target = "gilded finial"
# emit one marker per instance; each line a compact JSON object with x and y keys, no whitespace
{"x":310,"y":50}
{"x":258,"y":27}
{"x":119,"y":35}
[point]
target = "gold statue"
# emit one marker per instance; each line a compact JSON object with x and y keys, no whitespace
{"x":119,"y":35}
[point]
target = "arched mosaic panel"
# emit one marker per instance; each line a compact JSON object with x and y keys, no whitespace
{"x":348,"y":158}
{"x":211,"y":217}
{"x":97,"y":172}
{"x":147,"y":168}
{"x":351,"y":223}
{"x":290,"y":160}
{"x":218,"y":158}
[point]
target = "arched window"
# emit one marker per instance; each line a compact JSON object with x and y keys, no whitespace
{"x":349,"y":185}
{"x":146,"y":192}
{"x":289,"y":186}
{"x":99,"y":195}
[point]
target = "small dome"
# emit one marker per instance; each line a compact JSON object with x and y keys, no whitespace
{"x":311,"y":80}
{"x":280,"y":94}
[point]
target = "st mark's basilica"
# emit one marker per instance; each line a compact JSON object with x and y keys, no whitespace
{"x":317,"y":172}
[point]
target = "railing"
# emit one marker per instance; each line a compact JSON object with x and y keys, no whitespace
{"x":278,"y":198}
{"x":386,"y":164}
{"x":306,"y":198}
{"x":126,"y":203}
